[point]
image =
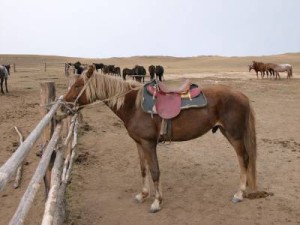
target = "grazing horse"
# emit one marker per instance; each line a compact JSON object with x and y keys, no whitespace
{"x":227,"y":110}
{"x":151,"y":70}
{"x":139,"y":70}
{"x":258,"y":67}
{"x":3,"y":77}
{"x":159,"y":71}
{"x":283,"y":68}
{"x":127,"y":72}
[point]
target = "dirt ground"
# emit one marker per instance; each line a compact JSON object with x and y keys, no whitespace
{"x":198,"y":177}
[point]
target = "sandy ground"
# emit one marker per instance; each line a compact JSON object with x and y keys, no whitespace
{"x":199,"y":177}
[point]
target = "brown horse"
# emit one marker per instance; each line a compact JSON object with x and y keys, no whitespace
{"x":258,"y":67}
{"x":227,"y":110}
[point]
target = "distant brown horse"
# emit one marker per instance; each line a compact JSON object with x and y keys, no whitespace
{"x":258,"y":67}
{"x":270,"y":69}
{"x":227,"y":110}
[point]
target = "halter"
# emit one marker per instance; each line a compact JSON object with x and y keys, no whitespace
{"x":82,"y":90}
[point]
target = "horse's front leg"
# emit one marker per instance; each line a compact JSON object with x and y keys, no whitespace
{"x":149,"y":149}
{"x":2,"y":86}
{"x":6,"y":85}
{"x":145,"y":175}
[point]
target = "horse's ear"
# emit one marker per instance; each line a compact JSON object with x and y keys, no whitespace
{"x":91,"y":70}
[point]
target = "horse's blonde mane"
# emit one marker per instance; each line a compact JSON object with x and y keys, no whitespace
{"x":108,"y":88}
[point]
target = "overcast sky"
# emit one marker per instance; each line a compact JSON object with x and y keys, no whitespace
{"x":120,"y":28}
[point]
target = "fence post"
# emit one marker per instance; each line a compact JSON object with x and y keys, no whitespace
{"x":45,"y":67}
{"x":66,"y":73}
{"x":47,"y":96}
{"x":14,"y":67}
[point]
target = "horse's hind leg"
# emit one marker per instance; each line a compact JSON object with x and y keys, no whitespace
{"x":145,"y":175}
{"x":243,"y":159}
{"x":243,"y":162}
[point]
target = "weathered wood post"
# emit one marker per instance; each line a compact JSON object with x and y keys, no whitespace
{"x":66,"y":68}
{"x":45,"y":67}
{"x":14,"y":67}
{"x":47,"y":96}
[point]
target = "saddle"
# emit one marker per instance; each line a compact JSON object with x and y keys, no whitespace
{"x":168,"y":99}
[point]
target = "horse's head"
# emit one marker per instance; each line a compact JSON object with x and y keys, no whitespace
{"x":76,"y":94}
{"x":250,"y":67}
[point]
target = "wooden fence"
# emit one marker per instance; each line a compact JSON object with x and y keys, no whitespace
{"x":30,"y":67}
{"x":51,"y":132}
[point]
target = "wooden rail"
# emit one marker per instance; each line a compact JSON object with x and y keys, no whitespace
{"x":60,"y":170}
{"x":11,"y":165}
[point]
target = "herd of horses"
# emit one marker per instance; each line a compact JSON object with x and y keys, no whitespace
{"x":138,"y":72}
{"x":271,"y":68}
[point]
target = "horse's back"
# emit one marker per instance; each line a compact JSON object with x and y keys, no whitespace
{"x":3,"y":72}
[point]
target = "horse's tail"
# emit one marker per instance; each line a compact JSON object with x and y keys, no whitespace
{"x":291,"y":71}
{"x":250,"y":145}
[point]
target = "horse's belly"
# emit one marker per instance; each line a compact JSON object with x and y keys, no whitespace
{"x":191,"y":124}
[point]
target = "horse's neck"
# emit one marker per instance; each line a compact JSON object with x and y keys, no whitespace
{"x":127,"y":110}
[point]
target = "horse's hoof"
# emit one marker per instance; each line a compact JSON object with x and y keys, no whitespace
{"x":155,"y":207}
{"x":139,"y":198}
{"x":236,"y":200}
{"x":153,"y":210}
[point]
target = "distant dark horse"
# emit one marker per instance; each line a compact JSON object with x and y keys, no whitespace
{"x":79,"y":68}
{"x":4,"y":72}
{"x":227,"y":110}
{"x":140,"y":73}
{"x":151,"y":70}
{"x":117,"y":71}
{"x":99,"y":66}
{"x":159,"y":71}
{"x":127,"y":72}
